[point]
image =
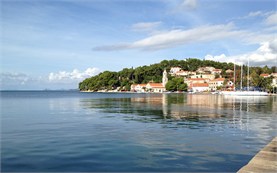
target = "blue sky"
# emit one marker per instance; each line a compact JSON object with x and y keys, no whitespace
{"x":55,"y":44}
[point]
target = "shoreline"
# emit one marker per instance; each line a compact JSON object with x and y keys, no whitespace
{"x":130,"y":92}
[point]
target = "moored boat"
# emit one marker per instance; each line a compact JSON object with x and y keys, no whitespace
{"x":245,"y":93}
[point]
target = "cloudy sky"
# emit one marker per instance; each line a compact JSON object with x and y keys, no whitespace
{"x":55,"y":44}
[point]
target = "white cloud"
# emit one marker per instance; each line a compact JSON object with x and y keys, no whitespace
{"x":264,"y":55}
{"x":271,"y":19}
{"x":256,"y":13}
{"x":18,"y":78}
{"x":189,"y":4}
{"x":22,"y":81}
{"x":179,"y":37}
{"x":60,"y":80}
{"x":146,"y":26}
{"x":75,"y":75}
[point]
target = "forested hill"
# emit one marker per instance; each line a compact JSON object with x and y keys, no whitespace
{"x":108,"y":80}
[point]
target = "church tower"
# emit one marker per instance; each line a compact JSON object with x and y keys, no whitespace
{"x":165,"y":79}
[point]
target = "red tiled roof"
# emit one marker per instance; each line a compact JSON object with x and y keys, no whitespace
{"x":217,"y":70}
{"x":200,"y":85}
{"x":220,"y":79}
{"x":264,"y":75}
{"x":156,"y":85}
{"x":143,"y":85}
{"x":196,"y":79}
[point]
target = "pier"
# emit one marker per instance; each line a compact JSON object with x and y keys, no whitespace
{"x":264,"y":161}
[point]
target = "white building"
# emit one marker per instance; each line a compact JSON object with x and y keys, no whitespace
{"x":274,"y":75}
{"x":203,"y":70}
{"x":155,"y":87}
{"x":205,"y":76}
{"x":190,"y":81}
{"x":216,"y":71}
{"x":213,"y":84}
{"x":185,"y":73}
{"x":274,"y":82}
{"x":200,"y":87}
{"x":174,"y":70}
{"x":138,"y":87}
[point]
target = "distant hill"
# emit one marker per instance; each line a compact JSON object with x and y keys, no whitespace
{"x":123,"y":79}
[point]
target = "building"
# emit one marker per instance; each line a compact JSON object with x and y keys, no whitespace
{"x":174,"y":70}
{"x":229,"y":86}
{"x":216,"y":71}
{"x":214,"y":84}
{"x":203,"y":70}
{"x":190,"y":81}
{"x":265,"y":75}
{"x":182,"y":73}
{"x":229,"y":71}
{"x":185,"y":73}
{"x":199,"y":87}
{"x":155,"y":87}
{"x":274,"y":82}
{"x":274,"y":75}
{"x":138,"y":88}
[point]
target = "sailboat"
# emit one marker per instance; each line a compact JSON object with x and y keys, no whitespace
{"x":241,"y":92}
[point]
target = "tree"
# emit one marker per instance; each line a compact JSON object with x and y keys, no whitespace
{"x":176,"y":84}
{"x":170,"y":86}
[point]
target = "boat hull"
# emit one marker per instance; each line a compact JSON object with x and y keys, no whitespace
{"x":245,"y":93}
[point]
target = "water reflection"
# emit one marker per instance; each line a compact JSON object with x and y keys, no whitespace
{"x":183,"y":106}
{"x":215,"y":112}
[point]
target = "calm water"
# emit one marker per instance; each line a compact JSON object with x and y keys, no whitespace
{"x":72,"y":131}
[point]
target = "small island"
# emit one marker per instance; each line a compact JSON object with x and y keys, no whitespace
{"x":191,"y":74}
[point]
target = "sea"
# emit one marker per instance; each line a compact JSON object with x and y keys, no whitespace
{"x":72,"y":131}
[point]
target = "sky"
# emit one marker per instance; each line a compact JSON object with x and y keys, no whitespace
{"x":55,"y":44}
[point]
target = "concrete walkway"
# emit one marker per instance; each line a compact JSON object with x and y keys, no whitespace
{"x":265,"y":161}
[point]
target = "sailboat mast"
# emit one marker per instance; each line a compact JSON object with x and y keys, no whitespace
{"x":248,"y":75}
{"x":234,"y":77}
{"x":241,"y":71}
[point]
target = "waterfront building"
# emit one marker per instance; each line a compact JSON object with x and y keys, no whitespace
{"x":214,"y":84}
{"x":155,"y":87}
{"x":199,"y":87}
{"x":138,"y":87}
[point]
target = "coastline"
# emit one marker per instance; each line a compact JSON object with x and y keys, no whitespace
{"x":131,"y":92}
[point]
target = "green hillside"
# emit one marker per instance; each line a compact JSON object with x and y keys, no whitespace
{"x":123,"y":79}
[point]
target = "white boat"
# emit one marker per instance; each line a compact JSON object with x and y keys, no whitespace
{"x":245,"y":93}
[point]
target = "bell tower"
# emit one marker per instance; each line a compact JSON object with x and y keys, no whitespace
{"x":165,"y":79}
